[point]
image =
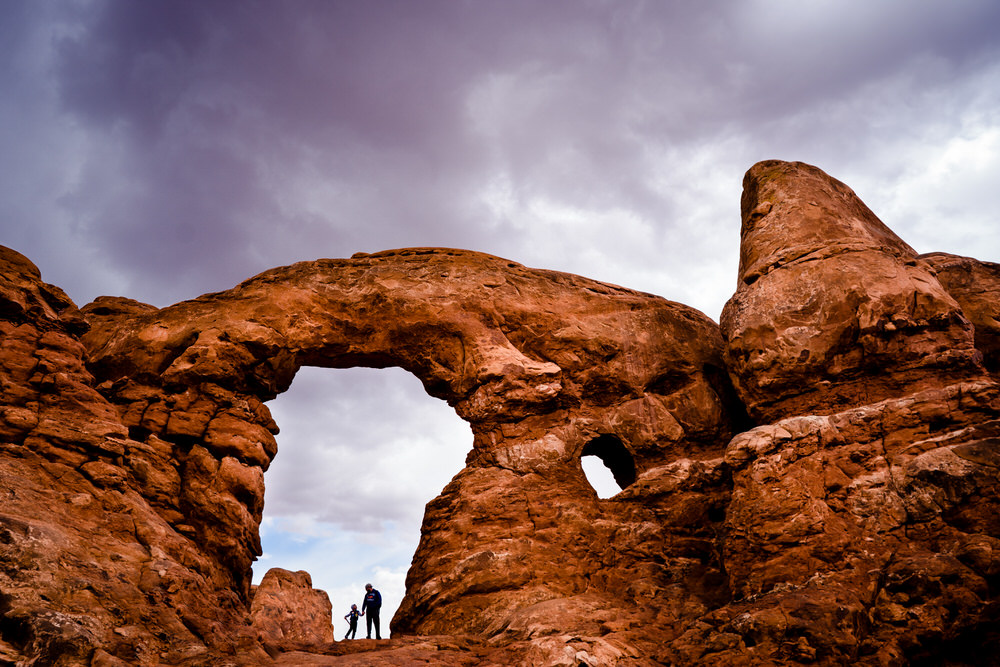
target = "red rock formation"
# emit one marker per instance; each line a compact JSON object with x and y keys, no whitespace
{"x":288,"y":613}
{"x":832,"y":310}
{"x":857,"y":523}
{"x":543,"y":365}
{"x":974,"y":285}
{"x":870,"y":533}
{"x":91,"y":569}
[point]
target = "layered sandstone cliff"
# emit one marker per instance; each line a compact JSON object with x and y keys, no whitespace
{"x":813,"y":482}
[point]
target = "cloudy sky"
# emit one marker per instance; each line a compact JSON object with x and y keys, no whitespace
{"x":163,"y":149}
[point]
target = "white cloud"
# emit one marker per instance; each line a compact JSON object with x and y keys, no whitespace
{"x":951,"y":203}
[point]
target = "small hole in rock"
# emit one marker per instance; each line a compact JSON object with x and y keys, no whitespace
{"x":608,"y":465}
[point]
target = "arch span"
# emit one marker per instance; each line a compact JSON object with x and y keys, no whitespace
{"x":537,"y":362}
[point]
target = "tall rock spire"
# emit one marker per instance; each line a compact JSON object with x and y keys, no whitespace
{"x":832,"y":309}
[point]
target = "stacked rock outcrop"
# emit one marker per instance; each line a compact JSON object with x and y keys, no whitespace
{"x":91,"y":569}
{"x":813,"y":482}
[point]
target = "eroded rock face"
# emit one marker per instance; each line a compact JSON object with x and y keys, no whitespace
{"x":91,"y":567}
{"x":974,"y":285}
{"x":833,"y":310}
{"x":872,"y":531}
{"x":857,"y":522}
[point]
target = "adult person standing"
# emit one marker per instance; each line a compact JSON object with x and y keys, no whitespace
{"x":373,"y":604}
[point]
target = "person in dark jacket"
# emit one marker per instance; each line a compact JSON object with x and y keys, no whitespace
{"x":373,"y":604}
{"x":352,"y":618}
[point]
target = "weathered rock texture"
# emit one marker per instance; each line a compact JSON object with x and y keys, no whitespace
{"x":855,"y":519}
{"x":974,"y":285}
{"x":832,"y":309}
{"x":288,"y":613}
{"x":91,"y":568}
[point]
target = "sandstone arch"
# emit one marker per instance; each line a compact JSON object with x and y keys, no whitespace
{"x":539,"y":363}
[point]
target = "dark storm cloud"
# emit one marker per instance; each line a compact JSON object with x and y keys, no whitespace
{"x":206,"y":101}
{"x":223,"y":138}
{"x":305,"y":67}
{"x":214,"y":107}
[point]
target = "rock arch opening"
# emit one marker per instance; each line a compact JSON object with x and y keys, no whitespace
{"x":360,"y":453}
{"x":608,"y":465}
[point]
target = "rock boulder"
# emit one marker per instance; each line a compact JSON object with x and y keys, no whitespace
{"x":288,"y":613}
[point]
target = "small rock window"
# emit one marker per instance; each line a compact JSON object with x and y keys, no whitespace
{"x":608,"y":465}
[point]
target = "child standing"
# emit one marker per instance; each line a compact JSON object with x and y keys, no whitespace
{"x":352,"y":618}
